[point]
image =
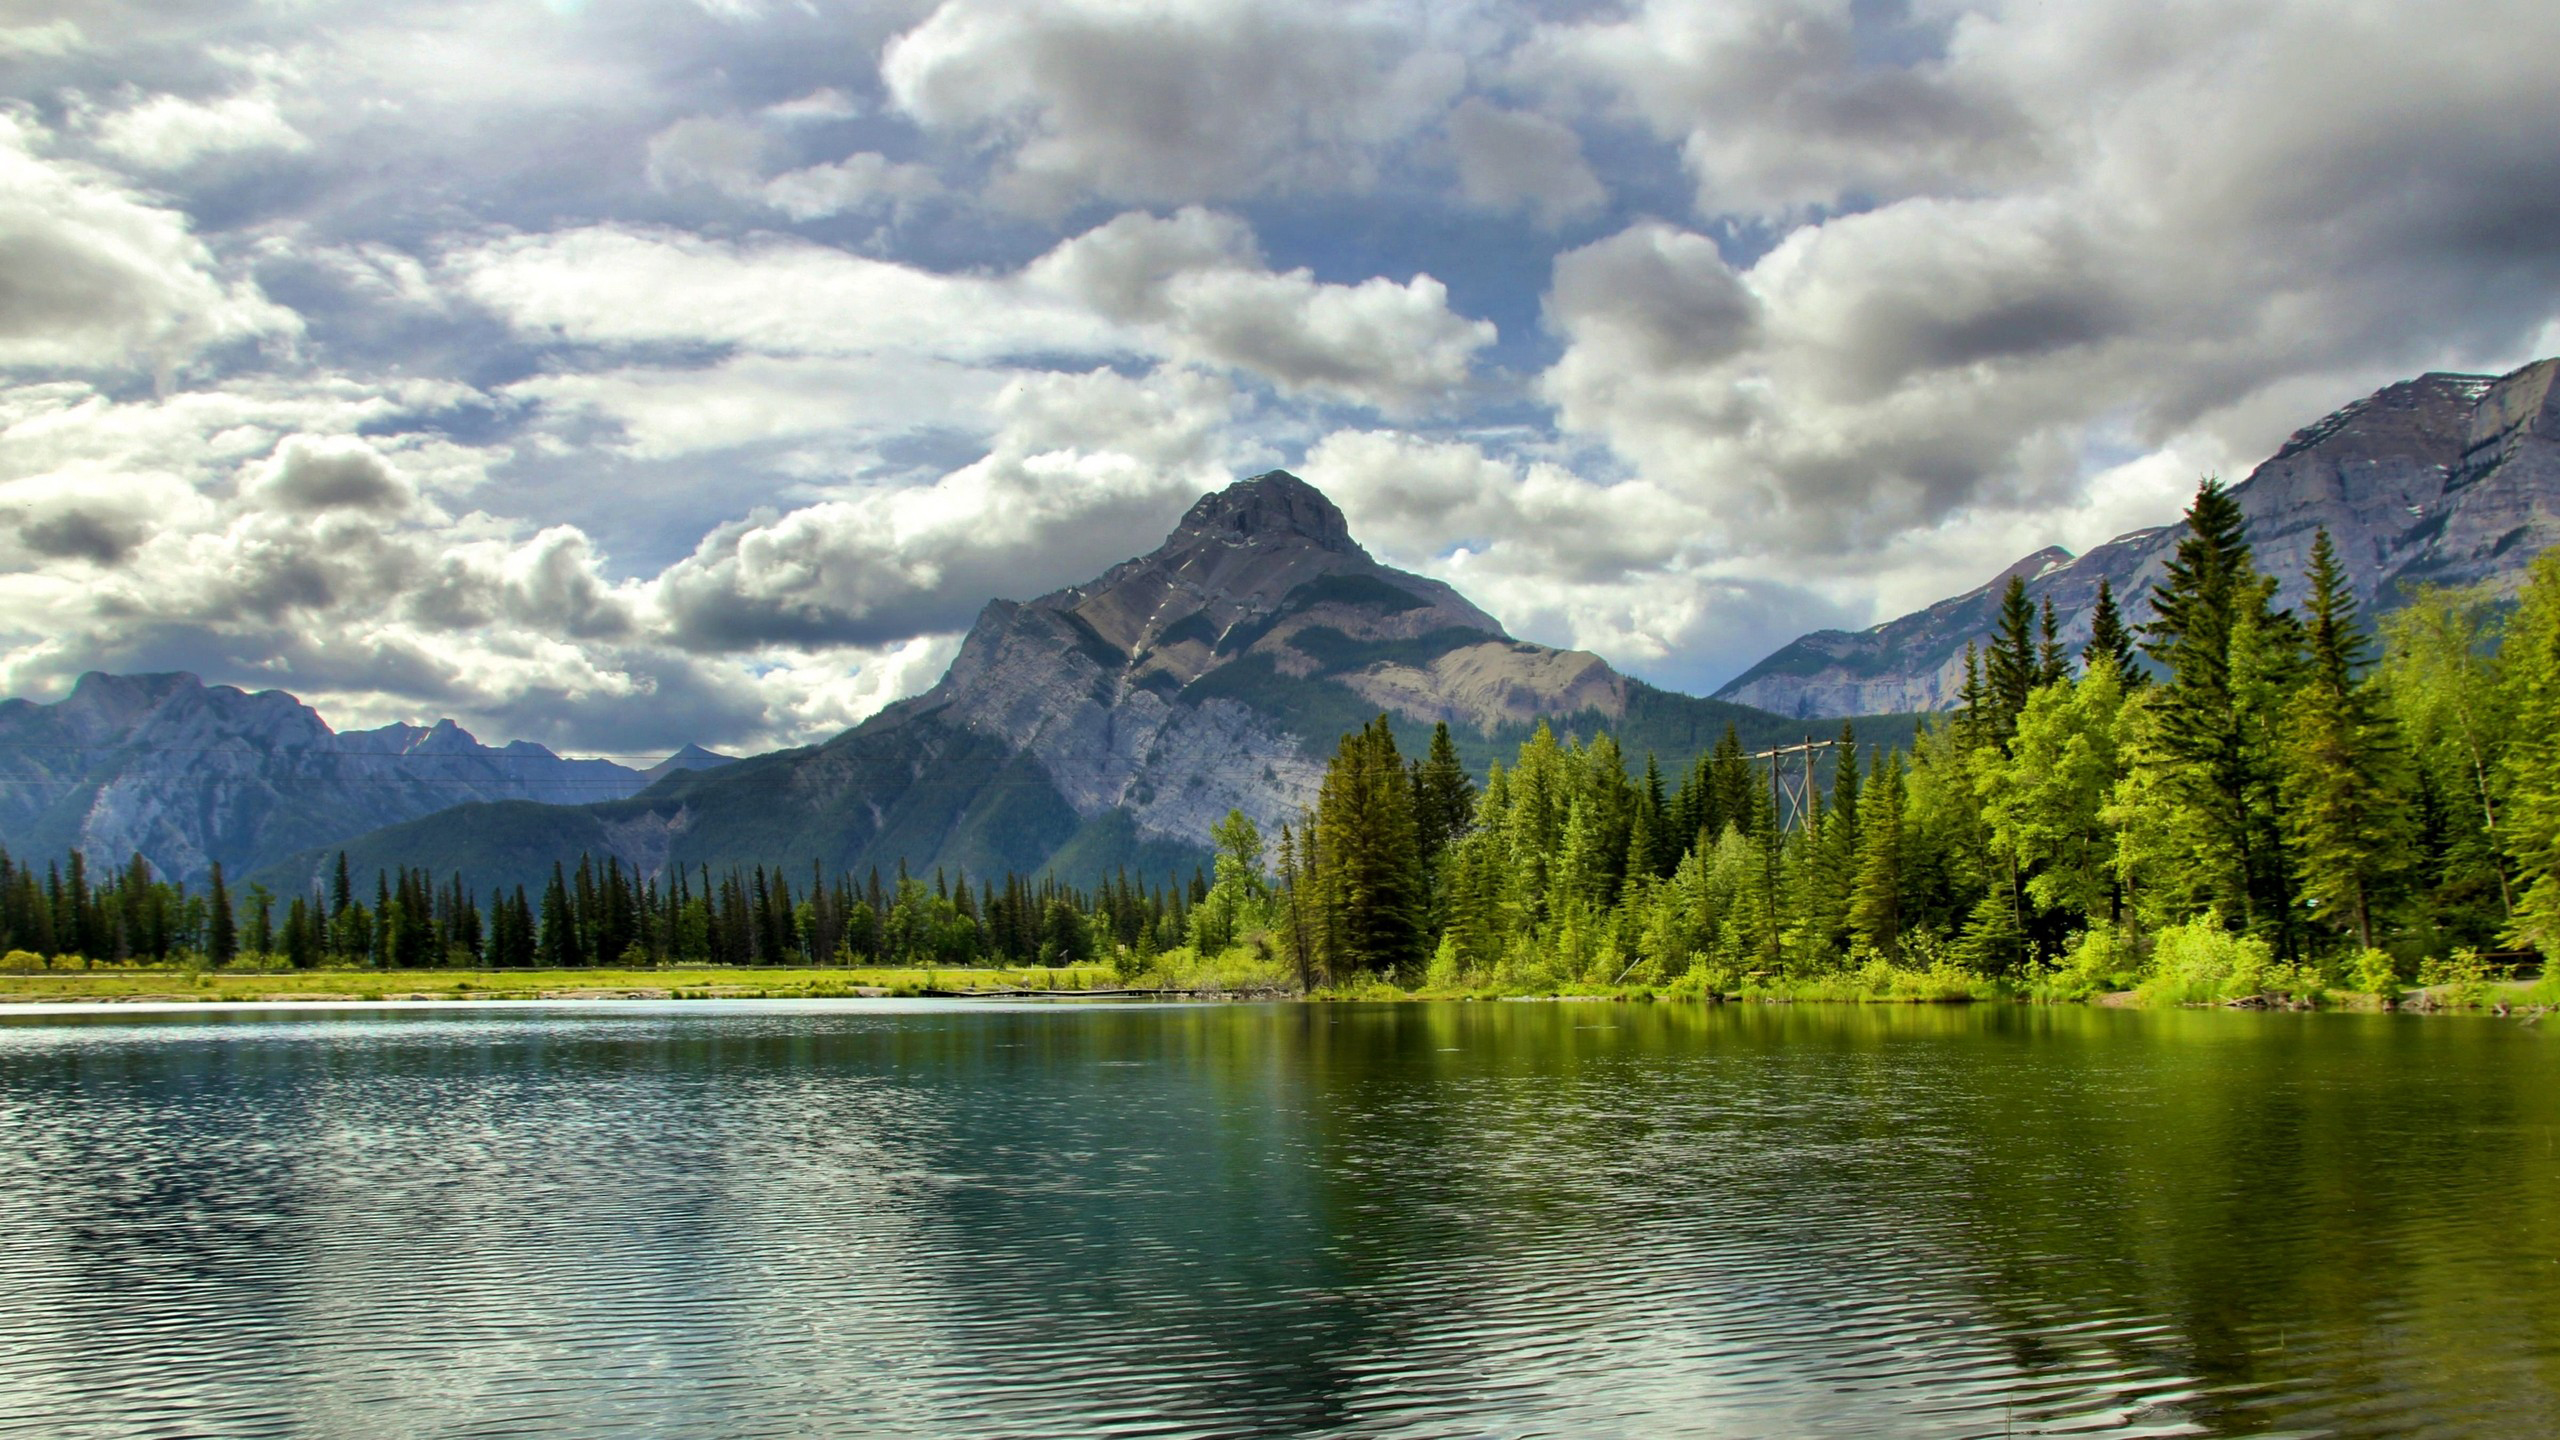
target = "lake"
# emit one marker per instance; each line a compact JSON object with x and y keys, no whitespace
{"x":918,"y":1218}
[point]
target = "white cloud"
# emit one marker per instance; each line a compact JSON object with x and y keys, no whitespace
{"x":859,"y":182}
{"x":53,"y":37}
{"x":1198,"y":284}
{"x":167,"y":132}
{"x":1169,"y":103}
{"x":93,"y":276}
{"x":616,"y":285}
{"x":2181,"y":233}
{"x":1083,"y":467}
{"x":1193,"y":287}
{"x":766,"y":400}
{"x":1777,"y":110}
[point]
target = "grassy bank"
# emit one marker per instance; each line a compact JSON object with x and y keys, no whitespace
{"x":697,"y":982}
{"x":1244,"y":972}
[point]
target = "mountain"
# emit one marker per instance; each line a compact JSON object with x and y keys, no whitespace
{"x":188,"y":774}
{"x":691,"y":757}
{"x":1110,"y":724}
{"x":2445,"y":479}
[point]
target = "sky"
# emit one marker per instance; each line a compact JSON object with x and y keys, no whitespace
{"x":618,"y":375}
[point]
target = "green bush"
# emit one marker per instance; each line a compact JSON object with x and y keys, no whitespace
{"x":2374,"y":972}
{"x":2201,"y":963}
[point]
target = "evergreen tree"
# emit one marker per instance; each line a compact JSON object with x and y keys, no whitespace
{"x":2530,"y":828}
{"x":2348,"y":813}
{"x":2014,"y":666}
{"x":222,"y":936}
{"x":2231,"y":661}
{"x":1371,"y":857}
{"x":1875,"y":899}
{"x":2109,"y":638}
{"x":2051,"y":666}
{"x":1444,"y":799}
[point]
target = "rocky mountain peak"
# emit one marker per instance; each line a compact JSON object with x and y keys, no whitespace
{"x":1272,"y":507}
{"x":2445,"y":479}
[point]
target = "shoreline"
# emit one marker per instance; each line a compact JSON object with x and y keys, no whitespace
{"x":181,"y":991}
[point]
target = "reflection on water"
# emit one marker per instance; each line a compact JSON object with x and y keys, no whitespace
{"x":715,"y":1220}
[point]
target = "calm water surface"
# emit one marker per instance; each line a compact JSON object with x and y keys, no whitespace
{"x":1579,"y":1219}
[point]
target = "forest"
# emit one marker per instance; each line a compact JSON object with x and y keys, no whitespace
{"x":2230,"y":799}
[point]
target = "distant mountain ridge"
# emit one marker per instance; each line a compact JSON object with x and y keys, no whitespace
{"x":1109,"y":724}
{"x":188,"y":774}
{"x":2445,"y":479}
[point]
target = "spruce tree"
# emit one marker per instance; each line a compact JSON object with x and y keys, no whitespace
{"x":2108,"y":637}
{"x":1444,"y":799}
{"x":221,"y":935}
{"x":2051,"y":666}
{"x":2345,"y":807}
{"x":2014,"y":666}
{"x":2232,"y":660}
{"x":1876,"y":898}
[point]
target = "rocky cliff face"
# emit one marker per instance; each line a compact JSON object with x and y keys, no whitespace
{"x":1112,"y":723}
{"x":189,"y":774}
{"x":2445,"y":479}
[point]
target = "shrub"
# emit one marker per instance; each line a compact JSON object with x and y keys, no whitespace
{"x":22,"y":961}
{"x":2461,"y":978}
{"x":2374,"y":972}
{"x":2199,"y":963}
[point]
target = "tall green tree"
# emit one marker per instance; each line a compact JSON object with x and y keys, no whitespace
{"x":2347,"y":812}
{"x":2109,"y":637}
{"x":2015,"y":666}
{"x":2530,"y":834}
{"x":1372,"y":884}
{"x":2231,"y":660}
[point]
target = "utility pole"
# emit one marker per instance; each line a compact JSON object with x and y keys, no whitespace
{"x":1794,"y":799}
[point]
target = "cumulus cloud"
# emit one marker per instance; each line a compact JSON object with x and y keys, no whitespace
{"x":92,"y":276}
{"x":2079,"y":227}
{"x":1165,"y":104}
{"x":619,"y":285}
{"x":1197,"y":282}
{"x":1084,"y":467}
{"x":1521,"y":160}
{"x":167,"y":132}
{"x":312,"y":474}
{"x":1779,"y":107}
{"x":731,"y":157}
{"x":1193,"y":287}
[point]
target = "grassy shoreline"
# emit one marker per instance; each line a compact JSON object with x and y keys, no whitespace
{"x":198,"y":985}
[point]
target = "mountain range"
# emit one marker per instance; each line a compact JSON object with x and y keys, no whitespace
{"x":1109,"y":724}
{"x":2445,"y":479}
{"x":189,"y":774}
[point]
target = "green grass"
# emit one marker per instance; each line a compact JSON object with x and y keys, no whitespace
{"x":688,"y":982}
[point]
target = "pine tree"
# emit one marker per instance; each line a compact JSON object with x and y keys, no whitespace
{"x":1876,"y":899}
{"x":2108,"y":637}
{"x":1444,"y":799}
{"x":2232,"y":661}
{"x":2345,"y":807}
{"x":2014,"y":666}
{"x":2051,"y":667}
{"x":222,"y":937}
{"x":1371,"y":857}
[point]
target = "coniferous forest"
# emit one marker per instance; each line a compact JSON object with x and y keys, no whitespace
{"x":2230,"y":800}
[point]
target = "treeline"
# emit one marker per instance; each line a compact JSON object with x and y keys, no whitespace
{"x":595,"y":914}
{"x":2228,"y":769}
{"x":2229,"y":762}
